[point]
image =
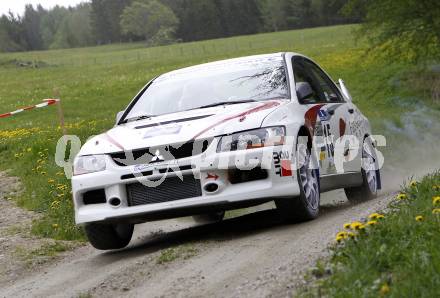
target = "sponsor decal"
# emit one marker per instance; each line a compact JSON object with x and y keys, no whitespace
{"x":162,"y":131}
{"x":342,"y":127}
{"x":324,"y":115}
{"x":282,"y":163}
{"x":142,"y":168}
{"x":211,"y":176}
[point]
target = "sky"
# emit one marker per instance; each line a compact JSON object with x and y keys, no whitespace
{"x":17,"y":6}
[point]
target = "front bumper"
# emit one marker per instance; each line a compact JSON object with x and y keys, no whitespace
{"x":204,"y":167}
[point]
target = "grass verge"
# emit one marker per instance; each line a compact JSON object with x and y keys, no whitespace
{"x":173,"y":253}
{"x":393,"y":256}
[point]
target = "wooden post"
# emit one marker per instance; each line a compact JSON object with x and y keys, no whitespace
{"x":60,"y":112}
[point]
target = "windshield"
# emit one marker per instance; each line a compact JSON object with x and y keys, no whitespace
{"x":201,"y":86}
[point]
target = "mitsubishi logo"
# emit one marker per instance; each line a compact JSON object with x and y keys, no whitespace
{"x":157,"y":157}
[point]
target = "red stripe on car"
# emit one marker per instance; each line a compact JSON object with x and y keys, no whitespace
{"x":310,"y":118}
{"x":264,"y":106}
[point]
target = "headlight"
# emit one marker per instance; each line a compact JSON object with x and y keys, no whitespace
{"x":257,"y":138}
{"x":89,"y":164}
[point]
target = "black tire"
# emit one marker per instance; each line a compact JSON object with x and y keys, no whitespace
{"x":210,"y":217}
{"x":298,"y":209}
{"x":370,"y":177}
{"x":109,"y":236}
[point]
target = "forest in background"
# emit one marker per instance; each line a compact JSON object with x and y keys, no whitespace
{"x":159,"y":22}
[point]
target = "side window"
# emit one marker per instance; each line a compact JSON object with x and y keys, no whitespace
{"x":301,"y":75}
{"x":328,"y":92}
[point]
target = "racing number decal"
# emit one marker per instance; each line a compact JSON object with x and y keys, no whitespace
{"x":328,"y":140}
{"x":282,"y":163}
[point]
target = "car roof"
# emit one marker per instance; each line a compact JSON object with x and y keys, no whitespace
{"x":234,"y":62}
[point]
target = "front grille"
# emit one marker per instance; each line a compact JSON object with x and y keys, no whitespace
{"x":161,"y":171}
{"x":172,"y":189}
{"x":145,"y":155}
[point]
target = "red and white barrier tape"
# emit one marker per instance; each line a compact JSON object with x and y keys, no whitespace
{"x":45,"y":103}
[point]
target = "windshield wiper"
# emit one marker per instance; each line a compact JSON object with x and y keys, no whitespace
{"x":221,"y":103}
{"x":137,"y":118}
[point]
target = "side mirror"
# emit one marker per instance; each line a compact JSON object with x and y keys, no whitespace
{"x":119,"y":116}
{"x":303,"y":90}
{"x":344,"y":90}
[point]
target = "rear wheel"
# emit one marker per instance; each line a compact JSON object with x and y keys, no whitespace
{"x":306,"y":206}
{"x":369,"y":187}
{"x":109,"y":236}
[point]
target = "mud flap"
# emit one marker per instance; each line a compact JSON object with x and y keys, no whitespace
{"x":379,"y":182}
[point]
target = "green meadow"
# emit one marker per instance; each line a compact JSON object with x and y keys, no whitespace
{"x":95,"y":83}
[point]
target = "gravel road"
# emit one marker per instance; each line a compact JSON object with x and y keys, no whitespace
{"x":251,"y":255}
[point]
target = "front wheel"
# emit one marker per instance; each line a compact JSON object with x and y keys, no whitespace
{"x":109,"y":236}
{"x":306,"y":206}
{"x":370,"y":176}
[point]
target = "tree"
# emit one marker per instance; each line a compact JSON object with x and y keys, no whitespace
{"x":11,"y":34}
{"x":406,"y":29}
{"x":31,"y":24}
{"x":51,"y":23}
{"x":105,"y":20}
{"x":239,"y":17}
{"x":149,"y":19}
{"x":75,"y":29}
{"x":274,"y":14}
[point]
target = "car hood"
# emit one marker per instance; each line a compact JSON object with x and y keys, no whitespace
{"x":181,"y":127}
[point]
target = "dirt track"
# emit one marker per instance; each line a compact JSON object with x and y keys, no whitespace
{"x":253,"y":255}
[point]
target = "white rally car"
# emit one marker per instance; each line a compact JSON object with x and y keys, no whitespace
{"x":224,"y":135}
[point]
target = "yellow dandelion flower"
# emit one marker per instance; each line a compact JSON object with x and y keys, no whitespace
{"x":60,"y":174}
{"x":374,"y":216}
{"x":436,"y":211}
{"x":342,"y":234}
{"x":355,"y":225}
{"x":384,"y":289}
{"x":413,"y":183}
{"x":419,"y":218}
{"x":51,"y":181}
{"x":361,"y":227}
{"x":340,"y":239}
{"x":55,"y":204}
{"x":401,"y":196}
{"x":371,"y":223}
{"x":347,"y":226}
{"x":381,"y":216}
{"x":436,"y":200}
{"x":351,"y":235}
